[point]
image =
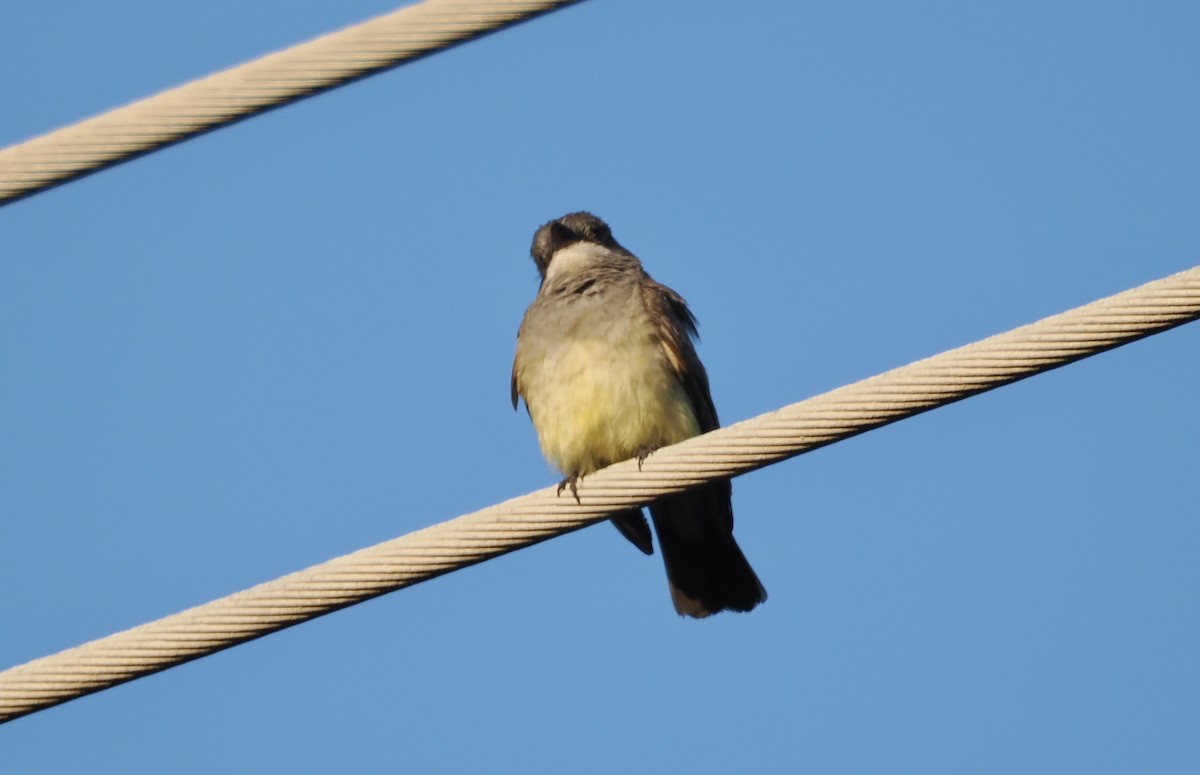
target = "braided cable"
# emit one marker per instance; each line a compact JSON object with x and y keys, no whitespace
{"x":522,"y":521}
{"x":248,"y":89}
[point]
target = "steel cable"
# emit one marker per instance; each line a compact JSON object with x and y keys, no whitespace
{"x":520,"y":522}
{"x":245,"y":90}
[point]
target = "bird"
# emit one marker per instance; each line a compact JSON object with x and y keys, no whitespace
{"x":606,"y":365}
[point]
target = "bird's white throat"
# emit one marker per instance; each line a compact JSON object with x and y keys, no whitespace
{"x":575,"y":259}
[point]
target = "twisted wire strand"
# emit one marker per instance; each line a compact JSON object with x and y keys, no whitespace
{"x":522,"y":521}
{"x":270,"y":81}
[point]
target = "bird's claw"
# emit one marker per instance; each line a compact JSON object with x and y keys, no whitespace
{"x":571,"y":482}
{"x":643,"y":453}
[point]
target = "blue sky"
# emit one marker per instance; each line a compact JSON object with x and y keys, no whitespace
{"x":291,"y":338}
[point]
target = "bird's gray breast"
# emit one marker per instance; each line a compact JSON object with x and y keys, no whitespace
{"x":595,"y":377}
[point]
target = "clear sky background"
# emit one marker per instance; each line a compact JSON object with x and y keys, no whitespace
{"x":291,"y":338}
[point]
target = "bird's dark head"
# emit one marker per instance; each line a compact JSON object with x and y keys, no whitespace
{"x":566,"y":231}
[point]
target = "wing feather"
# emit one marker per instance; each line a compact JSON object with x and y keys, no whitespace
{"x":676,"y":327}
{"x":516,"y":379}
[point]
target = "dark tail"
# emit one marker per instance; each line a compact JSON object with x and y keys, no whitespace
{"x":632,"y":524}
{"x":706,"y":569}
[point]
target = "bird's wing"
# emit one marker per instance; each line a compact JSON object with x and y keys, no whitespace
{"x":516,"y":385}
{"x":516,"y":382}
{"x":676,"y":326}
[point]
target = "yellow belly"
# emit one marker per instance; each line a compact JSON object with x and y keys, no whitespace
{"x":597,"y":404}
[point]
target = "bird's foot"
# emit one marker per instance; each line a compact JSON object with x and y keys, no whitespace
{"x":643,"y":453}
{"x":571,"y":482}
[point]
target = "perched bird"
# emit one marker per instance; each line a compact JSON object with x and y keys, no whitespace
{"x":606,"y":367}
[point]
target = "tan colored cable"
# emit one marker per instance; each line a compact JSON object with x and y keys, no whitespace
{"x":251,"y":88}
{"x":526,"y":520}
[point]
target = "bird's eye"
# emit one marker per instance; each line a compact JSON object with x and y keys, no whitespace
{"x":562,"y":235}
